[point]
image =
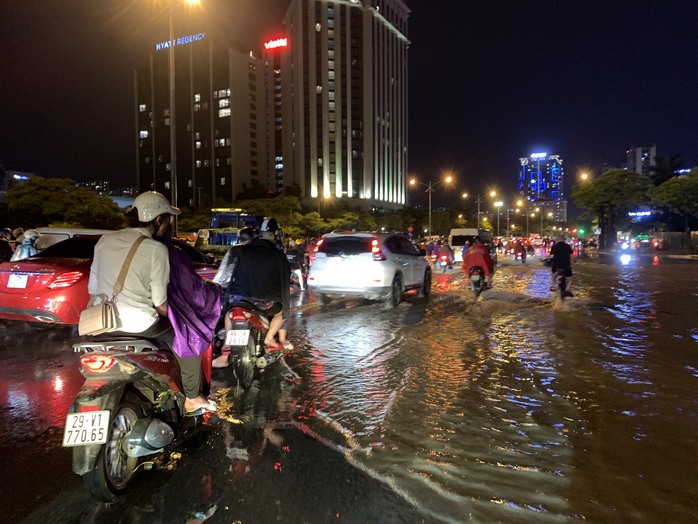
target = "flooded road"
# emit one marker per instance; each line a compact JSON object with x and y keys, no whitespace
{"x":513,"y":408}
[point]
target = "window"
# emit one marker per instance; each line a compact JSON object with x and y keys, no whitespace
{"x":197,"y":107}
{"x":144,"y":133}
{"x":197,"y":98}
{"x":224,"y":102}
{"x":198,"y":144}
{"x":223,"y":181}
{"x":167,"y":184}
{"x":167,"y":121}
{"x":222,"y":113}
{"x":141,"y":108}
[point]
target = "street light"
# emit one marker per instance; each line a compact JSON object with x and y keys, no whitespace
{"x":479,"y":200}
{"x":173,"y":123}
{"x":430,"y":189}
{"x":498,"y":204}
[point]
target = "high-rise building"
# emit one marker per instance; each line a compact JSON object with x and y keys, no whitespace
{"x":541,"y":182}
{"x":345,"y":79}
{"x":219,"y":120}
{"x":641,"y":159}
{"x":318,"y":112}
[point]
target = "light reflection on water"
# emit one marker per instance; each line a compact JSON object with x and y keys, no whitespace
{"x":518,"y":407}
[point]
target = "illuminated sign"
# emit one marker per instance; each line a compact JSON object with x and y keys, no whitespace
{"x":278,"y":42}
{"x":539,"y":155}
{"x":179,"y":41}
{"x":639,"y":213}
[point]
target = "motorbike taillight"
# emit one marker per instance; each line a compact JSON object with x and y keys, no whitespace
{"x":238,"y":313}
{"x":97,"y":363}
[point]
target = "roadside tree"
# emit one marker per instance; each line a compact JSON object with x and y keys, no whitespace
{"x":610,"y":197}
{"x":680,"y":195}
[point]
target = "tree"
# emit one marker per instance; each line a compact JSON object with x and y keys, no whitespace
{"x":43,"y":201}
{"x":610,"y":197}
{"x":680,"y":195}
{"x":665,"y":168}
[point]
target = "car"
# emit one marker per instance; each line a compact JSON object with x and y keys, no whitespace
{"x":375,"y":266}
{"x":51,"y":287}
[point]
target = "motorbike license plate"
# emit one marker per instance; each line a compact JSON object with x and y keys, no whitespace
{"x":237,"y":337}
{"x":17,"y":280}
{"x":89,"y":427}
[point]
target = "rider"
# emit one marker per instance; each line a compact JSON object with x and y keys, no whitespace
{"x":142,"y":304}
{"x":296,"y":257}
{"x":520,"y":251}
{"x":28,"y":246}
{"x":225,"y":270}
{"x":262,"y":277}
{"x":561,"y":258}
{"x":479,"y":256}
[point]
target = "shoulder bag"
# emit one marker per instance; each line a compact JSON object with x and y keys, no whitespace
{"x":101,"y":315}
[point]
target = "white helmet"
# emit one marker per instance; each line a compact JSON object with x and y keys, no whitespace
{"x":31,"y":234}
{"x":152,"y":204}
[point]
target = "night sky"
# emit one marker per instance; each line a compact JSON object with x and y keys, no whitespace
{"x":489,"y":82}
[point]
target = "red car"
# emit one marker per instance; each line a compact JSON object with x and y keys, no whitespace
{"x":51,"y":287}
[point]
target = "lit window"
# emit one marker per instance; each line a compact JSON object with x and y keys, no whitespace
{"x":168,"y":167}
{"x":167,"y":185}
{"x":144,"y":133}
{"x":224,"y":102}
{"x":141,"y":108}
{"x":318,"y":28}
{"x":198,"y":144}
{"x":167,"y":121}
{"x":224,"y":112}
{"x":223,"y":181}
{"x":197,"y":97}
{"x":197,"y":107}
{"x":189,"y":183}
{"x":318,"y":89}
{"x":198,"y":163}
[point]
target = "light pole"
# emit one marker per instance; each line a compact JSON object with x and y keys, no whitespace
{"x":173,"y":122}
{"x":525,"y":210}
{"x":498,"y":204}
{"x":430,"y":188}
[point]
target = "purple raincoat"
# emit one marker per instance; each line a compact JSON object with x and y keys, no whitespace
{"x":194,"y":305}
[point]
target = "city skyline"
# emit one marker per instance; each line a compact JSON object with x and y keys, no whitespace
{"x":488,"y":84}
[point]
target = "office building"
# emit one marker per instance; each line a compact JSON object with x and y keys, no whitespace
{"x":347,"y":70}
{"x":319,"y":111}
{"x":541,"y":182}
{"x":641,"y":159}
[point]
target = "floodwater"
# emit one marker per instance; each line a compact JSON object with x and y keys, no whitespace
{"x":515,"y":407}
{"x":518,"y":407}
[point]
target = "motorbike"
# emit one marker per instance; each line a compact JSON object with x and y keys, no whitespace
{"x":520,"y":257}
{"x":299,"y":275}
{"x":478,"y":280}
{"x":245,"y":336}
{"x":443,"y":262}
{"x":128,"y":412}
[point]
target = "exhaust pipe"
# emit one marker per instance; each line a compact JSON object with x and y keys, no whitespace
{"x":147,"y":437}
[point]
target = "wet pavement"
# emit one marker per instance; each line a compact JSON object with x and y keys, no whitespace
{"x":515,"y":407}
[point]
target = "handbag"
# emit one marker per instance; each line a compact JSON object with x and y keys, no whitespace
{"x":101,"y":315}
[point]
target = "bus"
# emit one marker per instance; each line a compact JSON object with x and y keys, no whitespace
{"x":224,"y":218}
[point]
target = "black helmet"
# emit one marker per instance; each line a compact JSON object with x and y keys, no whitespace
{"x":270,"y":224}
{"x":245,"y":235}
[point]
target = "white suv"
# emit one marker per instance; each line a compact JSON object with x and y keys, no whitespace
{"x":377,"y":266}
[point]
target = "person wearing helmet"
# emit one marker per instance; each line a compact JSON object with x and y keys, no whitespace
{"x":479,"y":256}
{"x":297,"y":259}
{"x":222,"y":278}
{"x":28,"y":246}
{"x":142,"y":304}
{"x":262,"y":276}
{"x":561,"y":258}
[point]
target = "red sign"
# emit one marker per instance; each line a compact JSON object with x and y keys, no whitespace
{"x":277,"y":42}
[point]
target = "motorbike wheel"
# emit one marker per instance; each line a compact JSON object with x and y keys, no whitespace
{"x":244,"y":367}
{"x":395,"y":293}
{"x":114,"y":470}
{"x":426,"y":285}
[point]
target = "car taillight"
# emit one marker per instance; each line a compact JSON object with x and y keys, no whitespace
{"x":97,"y":363}
{"x":376,"y":250}
{"x":319,"y":243}
{"x":66,"y":280}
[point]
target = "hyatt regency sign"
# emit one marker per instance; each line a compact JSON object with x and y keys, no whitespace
{"x":179,"y":41}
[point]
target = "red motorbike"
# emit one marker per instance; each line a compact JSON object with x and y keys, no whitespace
{"x":242,"y":339}
{"x":129,"y":410}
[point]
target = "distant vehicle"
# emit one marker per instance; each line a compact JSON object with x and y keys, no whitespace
{"x":52,"y":235}
{"x":51,"y":287}
{"x":459,"y":236}
{"x":215,"y":242}
{"x":376,"y":266}
{"x":223,"y":218}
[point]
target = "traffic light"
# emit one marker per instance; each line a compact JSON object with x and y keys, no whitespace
{"x":581,"y":231}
